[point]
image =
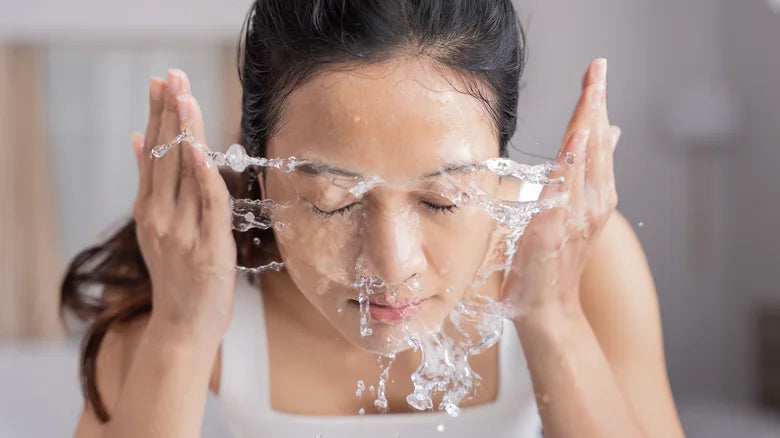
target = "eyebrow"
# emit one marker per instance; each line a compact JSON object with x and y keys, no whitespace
{"x":317,"y":168}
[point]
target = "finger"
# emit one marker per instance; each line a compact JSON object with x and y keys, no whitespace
{"x":137,"y":141}
{"x":598,"y":72}
{"x":614,"y":135}
{"x":571,"y":170}
{"x":617,"y":132}
{"x":608,"y":167}
{"x":602,"y":187}
{"x":157,"y":88}
{"x":577,"y":171}
{"x":577,"y":187}
{"x":600,"y":144}
{"x":216,"y":216}
{"x":196,"y":124}
{"x":595,"y":73}
{"x":188,"y":203}
{"x":570,"y":159}
{"x":166,"y":169}
{"x":592,"y":98}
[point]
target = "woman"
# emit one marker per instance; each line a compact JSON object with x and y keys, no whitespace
{"x":352,"y":83}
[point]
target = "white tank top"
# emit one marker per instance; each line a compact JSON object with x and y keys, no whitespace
{"x":245,"y":399}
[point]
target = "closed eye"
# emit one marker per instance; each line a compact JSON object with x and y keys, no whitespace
{"x":340,"y":211}
{"x":439,"y":209}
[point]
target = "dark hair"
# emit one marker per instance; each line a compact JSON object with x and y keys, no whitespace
{"x":284,"y":43}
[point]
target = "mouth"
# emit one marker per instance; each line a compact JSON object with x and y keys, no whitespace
{"x":381,"y":310}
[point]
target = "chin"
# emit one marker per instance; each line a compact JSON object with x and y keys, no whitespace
{"x":391,"y":336}
{"x":377,"y":343}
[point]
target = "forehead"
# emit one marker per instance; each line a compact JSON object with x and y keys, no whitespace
{"x":397,"y":119}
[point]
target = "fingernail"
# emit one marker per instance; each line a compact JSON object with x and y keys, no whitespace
{"x":183,"y":104}
{"x":601,"y":71}
{"x":173,"y":81}
{"x":137,"y":141}
{"x":618,"y":133}
{"x":596,"y":96}
{"x":155,"y":87}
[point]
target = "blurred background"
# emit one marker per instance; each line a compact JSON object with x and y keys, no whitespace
{"x":692,"y":84}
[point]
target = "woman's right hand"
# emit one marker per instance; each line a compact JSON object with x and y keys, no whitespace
{"x":183,"y":220}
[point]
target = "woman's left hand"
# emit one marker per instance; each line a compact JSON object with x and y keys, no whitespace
{"x":555,"y":246}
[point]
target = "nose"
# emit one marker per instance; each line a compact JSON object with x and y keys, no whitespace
{"x":392,"y":246}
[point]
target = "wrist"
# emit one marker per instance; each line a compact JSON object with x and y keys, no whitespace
{"x":182,"y":338}
{"x":552,"y":322}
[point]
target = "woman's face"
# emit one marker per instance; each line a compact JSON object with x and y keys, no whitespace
{"x":388,"y":143}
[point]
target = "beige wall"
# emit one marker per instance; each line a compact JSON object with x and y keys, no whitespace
{"x":30,"y":265}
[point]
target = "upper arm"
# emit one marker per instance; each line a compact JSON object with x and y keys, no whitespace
{"x":619,"y":299}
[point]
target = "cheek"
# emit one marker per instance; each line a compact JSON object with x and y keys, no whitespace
{"x":457,"y":246}
{"x":319,"y":254}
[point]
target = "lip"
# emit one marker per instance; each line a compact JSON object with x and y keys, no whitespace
{"x":382,"y":311}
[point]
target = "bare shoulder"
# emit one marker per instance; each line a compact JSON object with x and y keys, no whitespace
{"x":619,"y":298}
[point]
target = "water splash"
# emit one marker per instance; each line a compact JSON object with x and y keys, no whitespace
{"x":235,"y":157}
{"x":381,"y":398}
{"x":251,"y":213}
{"x":535,"y":174}
{"x":273,"y":266}
{"x":476,"y":322}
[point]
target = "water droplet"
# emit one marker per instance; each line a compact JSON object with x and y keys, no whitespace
{"x":413,"y":283}
{"x":340,"y":310}
{"x":570,"y":158}
{"x":440,"y":428}
{"x":365,"y":314}
{"x":256,"y":241}
{"x":236,"y":157}
{"x":356,"y":118}
{"x":361,"y":386}
{"x":361,"y":411}
{"x":640,"y":224}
